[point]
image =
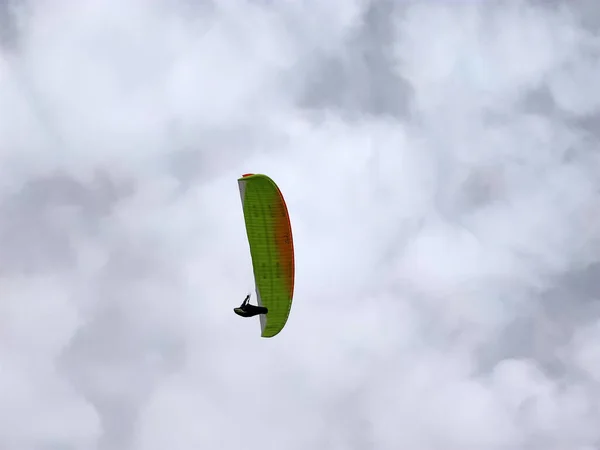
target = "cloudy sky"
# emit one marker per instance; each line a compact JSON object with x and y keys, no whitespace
{"x":440,"y":163}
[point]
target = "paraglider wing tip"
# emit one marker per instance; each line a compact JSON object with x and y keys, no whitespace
{"x":247,"y":175}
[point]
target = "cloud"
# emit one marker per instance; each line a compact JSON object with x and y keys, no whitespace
{"x":439,"y":163}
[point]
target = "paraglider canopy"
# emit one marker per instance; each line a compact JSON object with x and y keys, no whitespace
{"x":269,"y":234}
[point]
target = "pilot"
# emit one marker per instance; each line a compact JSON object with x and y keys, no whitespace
{"x":248,"y":310}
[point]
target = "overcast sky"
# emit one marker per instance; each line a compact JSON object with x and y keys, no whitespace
{"x":441,"y":168}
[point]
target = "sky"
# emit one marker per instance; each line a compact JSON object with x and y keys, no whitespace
{"x":440,"y":164}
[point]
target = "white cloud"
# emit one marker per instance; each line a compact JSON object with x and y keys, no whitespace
{"x":436,"y":243}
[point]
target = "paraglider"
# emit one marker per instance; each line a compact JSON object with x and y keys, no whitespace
{"x":248,"y":310}
{"x":270,"y":239}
